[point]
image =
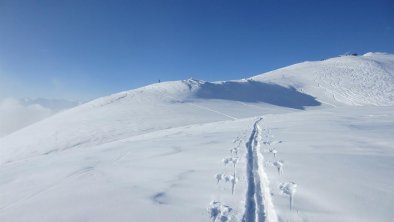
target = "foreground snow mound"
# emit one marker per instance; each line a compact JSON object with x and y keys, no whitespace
{"x":350,"y":80}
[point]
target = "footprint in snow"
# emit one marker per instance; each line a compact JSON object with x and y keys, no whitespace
{"x":228,"y":160}
{"x":234,"y":151}
{"x":228,"y":179}
{"x":278,"y":164}
{"x":219,"y":212}
{"x":273,"y":151}
{"x":219,"y":177}
{"x":289,"y":188}
{"x":233,"y":180}
{"x":237,"y":139}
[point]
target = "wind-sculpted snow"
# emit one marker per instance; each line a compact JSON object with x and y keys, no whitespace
{"x":254,"y":91}
{"x":346,"y":80}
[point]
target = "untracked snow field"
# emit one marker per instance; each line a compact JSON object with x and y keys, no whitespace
{"x":197,"y":151}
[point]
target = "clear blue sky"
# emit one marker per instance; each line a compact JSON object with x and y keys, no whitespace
{"x":84,"y":49}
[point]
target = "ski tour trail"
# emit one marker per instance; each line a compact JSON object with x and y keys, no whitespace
{"x":259,"y":206}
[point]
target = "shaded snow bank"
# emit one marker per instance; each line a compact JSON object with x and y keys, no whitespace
{"x":254,"y":92}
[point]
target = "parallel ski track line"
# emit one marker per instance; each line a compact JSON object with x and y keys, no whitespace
{"x":258,"y":204}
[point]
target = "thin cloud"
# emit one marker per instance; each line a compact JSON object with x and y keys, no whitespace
{"x":18,"y":113}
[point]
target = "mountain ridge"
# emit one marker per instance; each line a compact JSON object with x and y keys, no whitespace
{"x":341,"y":81}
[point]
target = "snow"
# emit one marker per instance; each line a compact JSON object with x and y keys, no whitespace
{"x":317,"y":135}
{"x":351,"y":80}
{"x":342,"y":161}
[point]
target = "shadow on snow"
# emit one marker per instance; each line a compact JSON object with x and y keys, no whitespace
{"x":253,"y":91}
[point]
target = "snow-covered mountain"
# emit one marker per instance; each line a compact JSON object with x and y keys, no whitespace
{"x":161,"y":152}
{"x":351,"y":80}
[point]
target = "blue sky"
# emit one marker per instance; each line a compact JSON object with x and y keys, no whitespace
{"x":83,"y":49}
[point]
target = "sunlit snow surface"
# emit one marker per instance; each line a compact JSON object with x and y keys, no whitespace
{"x":198,"y":151}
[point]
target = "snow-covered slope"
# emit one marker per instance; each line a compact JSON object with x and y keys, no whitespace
{"x":351,"y":80}
{"x":169,"y":151}
{"x":147,"y":109}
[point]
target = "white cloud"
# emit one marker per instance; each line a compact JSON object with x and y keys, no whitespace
{"x":15,"y":115}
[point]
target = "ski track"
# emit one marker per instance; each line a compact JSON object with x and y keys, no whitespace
{"x":204,"y":107}
{"x":212,"y":110}
{"x":258,"y":204}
